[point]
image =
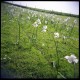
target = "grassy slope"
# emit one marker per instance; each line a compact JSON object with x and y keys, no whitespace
{"x":30,"y":59}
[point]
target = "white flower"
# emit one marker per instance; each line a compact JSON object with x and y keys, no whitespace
{"x":45,"y":27}
{"x":4,"y":58}
{"x":35,"y":24}
{"x":5,"y":55}
{"x":45,"y":22}
{"x":64,"y":37}
{"x":33,"y":15}
{"x":58,"y":18}
{"x":40,"y":15}
{"x":52,"y":21}
{"x":44,"y":30}
{"x":67,"y":28}
{"x":71,"y":59}
{"x":9,"y":57}
{"x":66,"y":57}
{"x":75,"y":21}
{"x":43,"y":44}
{"x":56,"y":35}
{"x":38,"y":21}
{"x":28,"y":17}
{"x":66,"y":19}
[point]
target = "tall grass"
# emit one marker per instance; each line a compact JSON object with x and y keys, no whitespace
{"x":33,"y":53}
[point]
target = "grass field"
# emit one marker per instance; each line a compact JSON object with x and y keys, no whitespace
{"x":30,"y":51}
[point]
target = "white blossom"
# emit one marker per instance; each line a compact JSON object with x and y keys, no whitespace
{"x":44,"y":28}
{"x":67,"y":28}
{"x":40,"y":15}
{"x":35,"y":24}
{"x":64,"y":37}
{"x":75,"y":21}
{"x":9,"y":58}
{"x":52,"y":21}
{"x":56,"y":35}
{"x":58,"y":18}
{"x":4,"y":58}
{"x":5,"y":55}
{"x":66,"y":19}
{"x":43,"y":44}
{"x":28,"y":17}
{"x":45,"y":22}
{"x":71,"y":59}
{"x":38,"y":21}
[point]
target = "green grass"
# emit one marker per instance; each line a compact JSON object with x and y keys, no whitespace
{"x":27,"y":57}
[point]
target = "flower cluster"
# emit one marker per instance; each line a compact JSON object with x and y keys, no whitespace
{"x":36,"y":23}
{"x":75,"y":21}
{"x":5,"y":57}
{"x":46,"y":22}
{"x":66,"y":19}
{"x":56,"y":35}
{"x":44,"y":28}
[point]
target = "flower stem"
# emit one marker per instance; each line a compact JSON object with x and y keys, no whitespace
{"x":74,"y":70}
{"x":71,"y":31}
{"x":56,"y":44}
{"x":36,"y":32}
{"x":19,"y":31}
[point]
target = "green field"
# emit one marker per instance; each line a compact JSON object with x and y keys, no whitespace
{"x":28,"y":52}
